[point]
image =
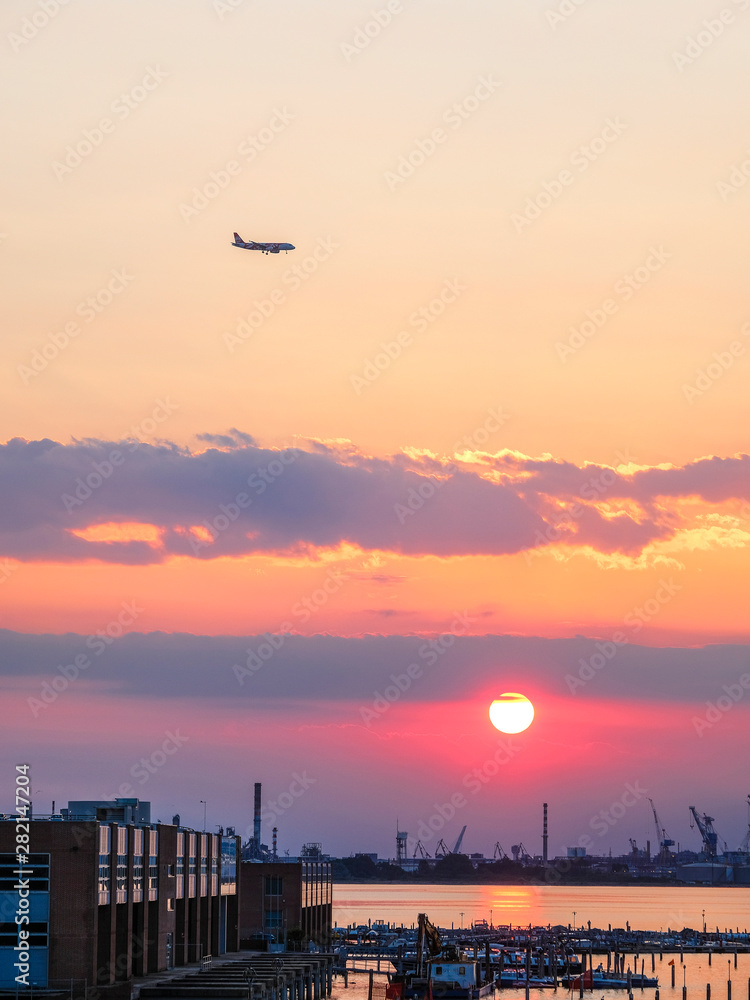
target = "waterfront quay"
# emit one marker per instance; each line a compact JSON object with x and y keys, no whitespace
{"x":251,"y":976}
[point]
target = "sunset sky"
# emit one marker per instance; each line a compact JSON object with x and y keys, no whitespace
{"x":495,"y":400}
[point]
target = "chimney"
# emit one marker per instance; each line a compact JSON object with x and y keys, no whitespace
{"x":256,"y":814}
{"x":544,"y":836}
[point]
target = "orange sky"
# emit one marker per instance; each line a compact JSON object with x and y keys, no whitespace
{"x":519,"y":274}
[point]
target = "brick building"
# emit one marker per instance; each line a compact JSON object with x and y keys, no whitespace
{"x":113,"y":896}
{"x":290,"y":900}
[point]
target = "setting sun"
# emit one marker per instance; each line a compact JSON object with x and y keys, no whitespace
{"x":511,"y":713}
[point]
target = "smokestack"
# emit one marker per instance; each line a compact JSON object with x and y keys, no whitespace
{"x":256,"y":814}
{"x":544,"y":836}
{"x":275,"y":832}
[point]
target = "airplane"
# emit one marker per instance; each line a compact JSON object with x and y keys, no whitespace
{"x":263,"y":247}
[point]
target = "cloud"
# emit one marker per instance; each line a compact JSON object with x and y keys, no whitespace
{"x":321,"y":668}
{"x":90,"y":500}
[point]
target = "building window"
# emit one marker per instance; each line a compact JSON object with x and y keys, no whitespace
{"x":138,"y":877}
{"x":105,"y":879}
{"x":274,"y":885}
{"x":153,"y":877}
{"x":122,"y":878}
{"x":38,"y":935}
{"x":105,"y":841}
{"x":38,"y":872}
{"x":228,"y":866}
{"x":180,"y":871}
{"x":170,"y":904}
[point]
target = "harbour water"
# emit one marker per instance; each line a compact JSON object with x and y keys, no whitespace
{"x":641,"y":907}
{"x":654,"y":907}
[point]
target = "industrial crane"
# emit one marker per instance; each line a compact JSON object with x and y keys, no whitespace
{"x":520,"y":853}
{"x":421,"y":849}
{"x":745,"y":845}
{"x":705,"y":824}
{"x":457,"y":845}
{"x":442,"y":849}
{"x":661,"y":837}
{"x":499,"y":852}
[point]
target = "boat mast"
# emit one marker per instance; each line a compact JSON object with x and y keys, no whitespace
{"x":420,"y":943}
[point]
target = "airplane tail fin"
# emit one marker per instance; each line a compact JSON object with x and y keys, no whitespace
{"x":238,"y":238}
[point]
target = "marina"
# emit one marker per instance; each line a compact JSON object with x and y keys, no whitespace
{"x":372,"y":958}
{"x":694,"y":979}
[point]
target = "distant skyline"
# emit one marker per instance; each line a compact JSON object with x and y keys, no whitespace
{"x":493,"y":407}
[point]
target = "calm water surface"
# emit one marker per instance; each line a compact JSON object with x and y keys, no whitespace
{"x":644,"y":907}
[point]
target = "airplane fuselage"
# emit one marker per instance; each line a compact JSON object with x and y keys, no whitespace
{"x":263,"y":247}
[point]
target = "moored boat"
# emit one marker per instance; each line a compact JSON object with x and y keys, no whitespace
{"x":440,"y":972}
